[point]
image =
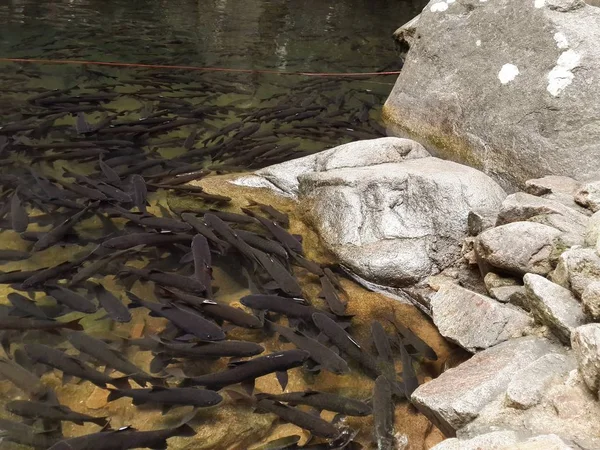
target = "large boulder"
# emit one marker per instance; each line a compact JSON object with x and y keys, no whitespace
{"x":509,"y":87}
{"x":396,"y":223}
{"x":586,"y":345}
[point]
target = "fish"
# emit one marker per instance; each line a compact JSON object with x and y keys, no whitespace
{"x":323,"y":401}
{"x":26,"y":306}
{"x":18,"y":214}
{"x":409,"y":377}
{"x":72,"y":299}
{"x":286,"y":281}
{"x":135,"y":239}
{"x":201,"y":350}
{"x":281,"y":218}
{"x":218,"y":310}
{"x":110,"y":357}
{"x":53,"y":273}
{"x":13,"y":255}
{"x":229,"y":235}
{"x":280,"y":234}
{"x":109,"y":173}
{"x":183,"y":318}
{"x":261,"y":243}
{"x":181,"y":282}
{"x":314,"y":424}
{"x":22,"y":378}
{"x":202,"y":262}
{"x":95,"y":267}
{"x":246,"y":372}
{"x":26,"y":435}
{"x":39,"y":410}
{"x":114,"y":307}
{"x":17,"y":276}
{"x":319,"y":353}
{"x":201,"y":228}
{"x":383,"y":414}
{"x":281,"y":305}
{"x":123,"y":439}
{"x":18,"y":323}
{"x":200,"y":398}
{"x":57,"y":233}
{"x":140,"y":192}
{"x":71,"y":367}
{"x":311,"y":266}
{"x":331,"y":297}
{"x":385,"y":359}
{"x":410,"y":338}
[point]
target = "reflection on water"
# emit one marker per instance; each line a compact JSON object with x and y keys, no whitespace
{"x":83,"y":147}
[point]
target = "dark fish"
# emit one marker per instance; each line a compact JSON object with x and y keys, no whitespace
{"x":281,"y":305}
{"x":281,"y":218}
{"x":165,"y":223}
{"x":113,"y":306}
{"x":18,"y":215}
{"x":281,"y":235}
{"x":109,"y":173}
{"x":202,"y":262}
{"x":310,"y":422}
{"x":286,"y":281}
{"x":409,"y":377}
{"x":123,"y":439}
{"x":88,"y":192}
{"x":39,"y":410}
{"x":201,"y":350}
{"x":323,"y":401}
{"x":151,"y":239}
{"x":53,"y":273}
{"x":140,"y":192}
{"x":93,"y":268}
{"x":201,"y":228}
{"x":57,"y":233}
{"x":247,"y":371}
{"x":322,"y":355}
{"x":18,"y":323}
{"x":385,"y":359}
{"x":261,"y":243}
{"x":71,"y":367}
{"x":311,"y":266}
{"x":109,"y":357}
{"x":26,"y":306}
{"x":346,"y":343}
{"x":383,"y":414}
{"x":22,"y":378}
{"x":183,"y":318}
{"x":229,"y":216}
{"x":13,"y":255}
{"x":169,"y":396}
{"x":410,"y":338}
{"x":25,"y":435}
{"x":331,"y":297}
{"x":113,"y":192}
{"x":218,"y":310}
{"x":72,"y":299}
{"x":175,"y":280}
{"x":17,"y":276}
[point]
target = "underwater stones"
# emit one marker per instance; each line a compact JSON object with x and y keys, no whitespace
{"x":589,"y":196}
{"x":474,"y":321}
{"x":586,"y":345}
{"x":283,"y":177}
{"x":576,"y":269}
{"x":458,"y":55}
{"x":394,"y":224}
{"x":457,"y":396}
{"x":496,"y":440}
{"x":518,"y":247}
{"x":553,"y":305}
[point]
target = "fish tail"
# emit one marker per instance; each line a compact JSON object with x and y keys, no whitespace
{"x":101,"y":421}
{"x":121,"y":383}
{"x":114,"y":395}
{"x":184,"y":430}
{"x":74,"y":325}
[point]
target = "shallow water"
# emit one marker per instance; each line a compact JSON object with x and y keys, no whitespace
{"x":299,"y":115}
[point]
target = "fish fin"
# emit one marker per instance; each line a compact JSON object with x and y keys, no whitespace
{"x":248,"y":385}
{"x":185,"y":430}
{"x":78,"y":422}
{"x":120,"y":383}
{"x":236,"y":361}
{"x":28,"y":421}
{"x":159,"y":445}
{"x":282,"y":377}
{"x":74,"y":325}
{"x":158,"y":363}
{"x":100,"y":421}
{"x":114,"y":395}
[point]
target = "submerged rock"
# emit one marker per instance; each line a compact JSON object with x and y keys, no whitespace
{"x":518,"y":247}
{"x":457,"y":396}
{"x":554,"y":306}
{"x":586,"y":345}
{"x":474,"y":321}
{"x":532,"y":60}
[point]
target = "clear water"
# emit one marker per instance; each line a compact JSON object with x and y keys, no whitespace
{"x":271,"y":35}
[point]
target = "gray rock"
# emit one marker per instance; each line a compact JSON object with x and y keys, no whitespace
{"x":493,"y":280}
{"x":474,"y":321}
{"x":496,"y":440}
{"x":576,"y":269}
{"x":503,"y":289}
{"x":509,"y":294}
{"x":552,"y":184}
{"x":592,"y":231}
{"x":526,"y":388}
{"x":591,"y":300}
{"x":283,"y":178}
{"x":395,"y":224}
{"x":481,"y":220}
{"x":518,"y":247}
{"x":589,"y":196}
{"x":457,"y":396}
{"x":554,"y":306}
{"x":543,"y":442}
{"x":534,"y":64}
{"x":586,"y":345}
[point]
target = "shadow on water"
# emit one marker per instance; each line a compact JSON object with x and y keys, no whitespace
{"x":68,"y":132}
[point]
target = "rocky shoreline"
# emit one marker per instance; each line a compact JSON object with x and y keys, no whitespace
{"x":512,"y":279}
